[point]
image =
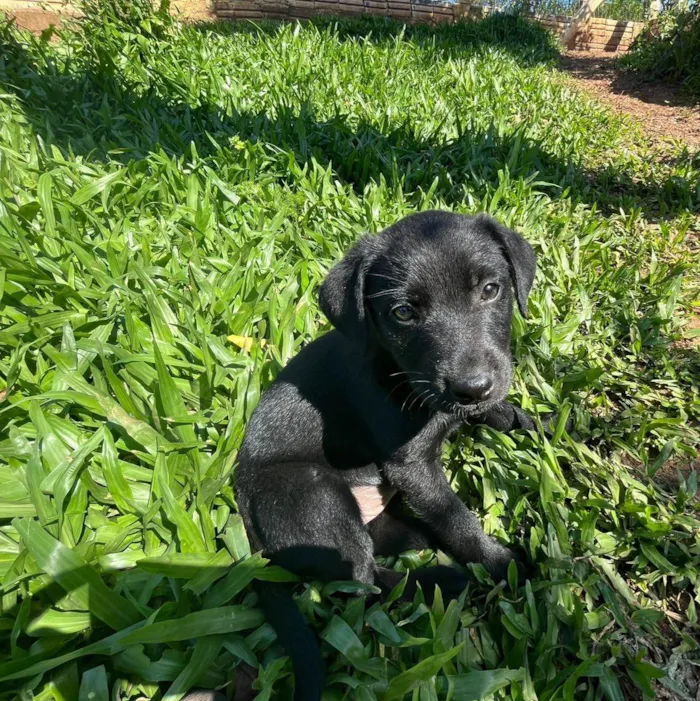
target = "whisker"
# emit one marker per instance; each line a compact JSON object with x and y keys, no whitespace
{"x":401,"y":384}
{"x":406,"y":372}
{"x":428,"y":398}
{"x":383,"y":293}
{"x":417,"y":398}
{"x":387,"y":277}
{"x":407,"y":398}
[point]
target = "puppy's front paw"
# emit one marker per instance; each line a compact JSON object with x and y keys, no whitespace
{"x":452,"y":582}
{"x":498,"y":557}
{"x":550,"y":421}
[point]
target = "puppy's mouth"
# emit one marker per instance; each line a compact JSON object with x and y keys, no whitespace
{"x":428,"y":396}
{"x":470,"y":410}
{"x":432,"y":395}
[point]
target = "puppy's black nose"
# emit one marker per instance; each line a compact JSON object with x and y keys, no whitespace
{"x":471,"y":389}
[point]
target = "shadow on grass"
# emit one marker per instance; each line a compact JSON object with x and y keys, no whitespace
{"x":143,"y":617}
{"x":97,"y":113}
{"x":42,"y":645}
{"x":116,"y":617}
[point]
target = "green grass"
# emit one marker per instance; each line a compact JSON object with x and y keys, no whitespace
{"x":163,"y":188}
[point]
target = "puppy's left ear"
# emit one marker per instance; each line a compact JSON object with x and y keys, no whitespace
{"x":342,"y":293}
{"x":520,"y":255}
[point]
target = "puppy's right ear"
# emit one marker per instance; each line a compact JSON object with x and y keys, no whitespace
{"x":342,"y":293}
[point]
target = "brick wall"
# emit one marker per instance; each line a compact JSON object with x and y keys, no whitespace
{"x":404,"y":10}
{"x":598,"y":35}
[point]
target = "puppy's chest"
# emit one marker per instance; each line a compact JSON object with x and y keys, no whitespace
{"x":370,"y":491}
{"x":372,"y":499}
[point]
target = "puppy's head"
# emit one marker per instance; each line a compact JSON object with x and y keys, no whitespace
{"x":435,"y":292}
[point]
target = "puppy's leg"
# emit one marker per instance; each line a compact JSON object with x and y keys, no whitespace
{"x":394,"y":531}
{"x":451,"y":581}
{"x":312,"y":525}
{"x":458,"y":531}
{"x":305,"y":518}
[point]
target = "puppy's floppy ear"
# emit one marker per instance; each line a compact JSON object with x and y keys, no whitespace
{"x":342,"y":293}
{"x":520,"y":255}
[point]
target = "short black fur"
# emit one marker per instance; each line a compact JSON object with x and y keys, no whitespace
{"x":423,"y":315}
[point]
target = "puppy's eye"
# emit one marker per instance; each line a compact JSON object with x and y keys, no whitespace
{"x":490,"y":291}
{"x":404,"y":312}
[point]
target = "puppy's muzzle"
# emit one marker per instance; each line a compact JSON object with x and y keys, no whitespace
{"x":470,"y":390}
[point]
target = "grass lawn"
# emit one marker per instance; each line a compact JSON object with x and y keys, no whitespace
{"x":170,"y":199}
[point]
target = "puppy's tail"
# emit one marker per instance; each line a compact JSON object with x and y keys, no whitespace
{"x":296,"y":637}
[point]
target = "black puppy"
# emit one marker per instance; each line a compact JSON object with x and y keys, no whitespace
{"x":423,"y":315}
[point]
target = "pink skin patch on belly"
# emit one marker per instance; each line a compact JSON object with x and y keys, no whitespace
{"x":372,"y":500}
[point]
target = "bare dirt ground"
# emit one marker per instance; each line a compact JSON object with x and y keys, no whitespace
{"x":660,"y":107}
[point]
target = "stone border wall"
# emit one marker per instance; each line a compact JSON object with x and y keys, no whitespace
{"x":403,"y":10}
{"x":598,"y":35}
